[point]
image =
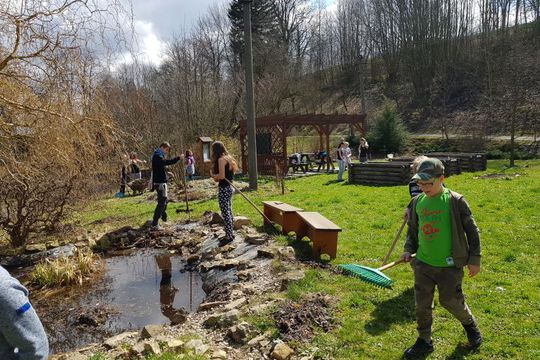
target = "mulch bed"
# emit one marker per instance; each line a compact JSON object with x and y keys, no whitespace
{"x":298,"y":321}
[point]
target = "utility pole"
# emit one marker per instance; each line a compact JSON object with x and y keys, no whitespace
{"x":250,"y":98}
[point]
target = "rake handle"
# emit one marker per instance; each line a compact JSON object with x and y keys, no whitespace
{"x":252,"y":204}
{"x":394,"y":263}
{"x":395,"y":241}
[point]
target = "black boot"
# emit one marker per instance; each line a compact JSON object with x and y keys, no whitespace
{"x":224,"y":241}
{"x":420,"y":348}
{"x":473,"y":335}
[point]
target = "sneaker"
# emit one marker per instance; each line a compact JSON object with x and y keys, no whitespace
{"x":473,"y":335}
{"x":420,"y":348}
{"x":156,"y":227}
{"x":225,"y":241}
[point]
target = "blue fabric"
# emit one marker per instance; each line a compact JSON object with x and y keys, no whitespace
{"x":23,"y":308}
{"x":159,"y":153}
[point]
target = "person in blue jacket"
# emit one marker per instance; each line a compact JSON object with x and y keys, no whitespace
{"x":22,"y":336}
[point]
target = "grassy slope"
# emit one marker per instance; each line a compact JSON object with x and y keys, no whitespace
{"x":379,"y":324}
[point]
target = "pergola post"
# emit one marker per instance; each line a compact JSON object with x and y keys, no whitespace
{"x":328,"y":152}
{"x":284,"y":133}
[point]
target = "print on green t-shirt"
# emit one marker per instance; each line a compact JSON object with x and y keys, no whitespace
{"x":435,"y":230}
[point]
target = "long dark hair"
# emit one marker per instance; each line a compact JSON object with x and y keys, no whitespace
{"x":219,"y":150}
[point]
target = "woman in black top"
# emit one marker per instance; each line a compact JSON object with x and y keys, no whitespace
{"x":223,"y":168}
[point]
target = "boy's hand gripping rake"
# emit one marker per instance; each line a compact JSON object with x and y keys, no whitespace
{"x":371,"y":275}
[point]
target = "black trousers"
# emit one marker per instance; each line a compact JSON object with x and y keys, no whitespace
{"x":161,"y":207}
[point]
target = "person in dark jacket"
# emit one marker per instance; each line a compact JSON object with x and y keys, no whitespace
{"x":159,"y":181}
{"x":22,"y":336}
{"x":443,"y":234}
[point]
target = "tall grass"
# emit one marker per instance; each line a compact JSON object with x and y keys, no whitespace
{"x":66,"y":270}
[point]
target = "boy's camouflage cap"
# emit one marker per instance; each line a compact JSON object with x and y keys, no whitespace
{"x":429,"y":169}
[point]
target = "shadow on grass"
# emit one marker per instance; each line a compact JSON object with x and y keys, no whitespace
{"x":302,"y":248}
{"x":399,"y":309}
{"x":268,"y":229}
{"x":460,"y":352}
{"x":331,"y":182}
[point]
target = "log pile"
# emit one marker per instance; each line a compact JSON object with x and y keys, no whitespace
{"x":380,"y":173}
{"x":452,"y":166}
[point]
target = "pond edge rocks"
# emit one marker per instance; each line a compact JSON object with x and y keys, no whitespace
{"x":241,"y":279}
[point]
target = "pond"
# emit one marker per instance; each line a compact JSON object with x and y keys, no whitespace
{"x":145,"y":287}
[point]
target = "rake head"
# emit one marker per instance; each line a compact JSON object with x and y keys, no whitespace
{"x":367,"y":274}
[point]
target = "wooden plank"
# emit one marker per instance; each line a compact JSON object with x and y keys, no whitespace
{"x":384,"y":172}
{"x":281,"y":206}
{"x":393,"y":165}
{"x":318,"y":221}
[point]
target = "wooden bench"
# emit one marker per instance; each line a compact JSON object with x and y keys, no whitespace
{"x":282,"y":214}
{"x":322,"y":232}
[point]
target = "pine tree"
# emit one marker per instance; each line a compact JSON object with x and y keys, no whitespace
{"x":389,"y":134}
{"x":263,"y":29}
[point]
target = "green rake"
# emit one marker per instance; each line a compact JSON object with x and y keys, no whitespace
{"x":371,"y":275}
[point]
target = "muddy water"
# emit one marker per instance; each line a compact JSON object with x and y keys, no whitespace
{"x":146,"y":287}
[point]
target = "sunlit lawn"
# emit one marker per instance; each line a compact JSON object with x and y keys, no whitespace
{"x":377,"y":323}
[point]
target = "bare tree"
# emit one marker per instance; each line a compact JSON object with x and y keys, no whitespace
{"x":55,"y":131}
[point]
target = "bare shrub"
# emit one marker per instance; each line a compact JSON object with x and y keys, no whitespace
{"x":56,"y":137}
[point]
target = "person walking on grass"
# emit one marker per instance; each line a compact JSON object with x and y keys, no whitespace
{"x":190,"y":164}
{"x":223,"y":168}
{"x":340,"y":160}
{"x":443,"y":234}
{"x":22,"y":336}
{"x":159,"y":181}
{"x":363,"y":150}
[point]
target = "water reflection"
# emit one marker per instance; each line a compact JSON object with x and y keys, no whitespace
{"x":167,"y":291}
{"x":144,"y":288}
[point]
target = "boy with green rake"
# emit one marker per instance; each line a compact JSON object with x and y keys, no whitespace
{"x":443,"y":234}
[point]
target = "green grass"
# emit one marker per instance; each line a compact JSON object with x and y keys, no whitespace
{"x":379,"y":324}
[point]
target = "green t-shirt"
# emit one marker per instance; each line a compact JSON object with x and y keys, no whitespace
{"x":435,"y":230}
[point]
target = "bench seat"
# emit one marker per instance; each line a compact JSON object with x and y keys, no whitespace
{"x":322,"y":232}
{"x":282,"y":214}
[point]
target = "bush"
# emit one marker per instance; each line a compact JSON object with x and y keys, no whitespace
{"x":389,"y":133}
{"x":66,"y":270}
{"x":49,"y":159}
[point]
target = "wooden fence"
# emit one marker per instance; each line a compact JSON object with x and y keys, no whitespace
{"x":470,"y":162}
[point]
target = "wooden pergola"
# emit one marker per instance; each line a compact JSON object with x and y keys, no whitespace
{"x":272,"y":132}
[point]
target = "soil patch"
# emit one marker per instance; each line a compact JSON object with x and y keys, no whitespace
{"x":498,"y":176}
{"x":299,"y":320}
